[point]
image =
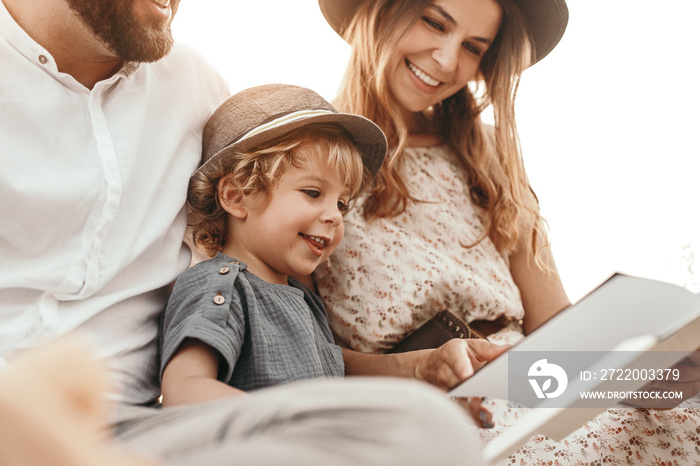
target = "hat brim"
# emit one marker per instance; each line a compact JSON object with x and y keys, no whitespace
{"x":366,"y":135}
{"x":546,"y":20}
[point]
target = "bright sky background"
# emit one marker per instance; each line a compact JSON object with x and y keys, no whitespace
{"x":609,"y":121}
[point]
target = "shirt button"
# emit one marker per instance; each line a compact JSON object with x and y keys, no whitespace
{"x":224,"y":270}
{"x":43,"y":60}
{"x":219,"y":299}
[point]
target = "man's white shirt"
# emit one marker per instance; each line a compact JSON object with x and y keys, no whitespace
{"x":92,"y":193}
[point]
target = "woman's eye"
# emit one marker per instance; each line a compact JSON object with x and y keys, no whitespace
{"x":343,"y":207}
{"x":472,"y":49}
{"x":312,"y":193}
{"x":432,"y":23}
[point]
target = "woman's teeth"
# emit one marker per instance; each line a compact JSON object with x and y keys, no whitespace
{"x":422,"y":76}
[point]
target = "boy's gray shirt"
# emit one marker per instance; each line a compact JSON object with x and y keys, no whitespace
{"x":266,"y":334}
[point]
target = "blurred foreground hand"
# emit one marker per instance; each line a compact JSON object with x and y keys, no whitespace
{"x":53,"y":410}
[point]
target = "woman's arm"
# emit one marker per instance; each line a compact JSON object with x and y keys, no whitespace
{"x":190,"y":376}
{"x":541,"y":290}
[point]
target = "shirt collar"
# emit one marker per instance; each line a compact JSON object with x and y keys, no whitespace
{"x":20,"y":40}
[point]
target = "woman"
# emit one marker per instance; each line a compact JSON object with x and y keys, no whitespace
{"x":451,"y":222}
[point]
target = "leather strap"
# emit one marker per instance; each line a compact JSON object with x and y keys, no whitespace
{"x":489,"y":327}
{"x":445,"y":326}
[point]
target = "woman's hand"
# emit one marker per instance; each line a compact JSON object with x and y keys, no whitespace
{"x":481,"y":415}
{"x":455,"y":361}
{"x":688,"y":383}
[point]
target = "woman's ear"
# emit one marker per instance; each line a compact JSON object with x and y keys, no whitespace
{"x":231,"y":199}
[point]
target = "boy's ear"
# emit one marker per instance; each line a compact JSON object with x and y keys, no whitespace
{"x":231,"y":199}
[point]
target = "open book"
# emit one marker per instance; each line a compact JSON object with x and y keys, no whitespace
{"x":620,"y":336}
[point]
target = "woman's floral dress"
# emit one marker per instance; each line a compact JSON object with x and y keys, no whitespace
{"x":390,"y":276}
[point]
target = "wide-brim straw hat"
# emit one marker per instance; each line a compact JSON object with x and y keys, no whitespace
{"x":260,"y":114}
{"x":546,"y":19}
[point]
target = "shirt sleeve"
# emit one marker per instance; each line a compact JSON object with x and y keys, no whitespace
{"x":205,"y":306}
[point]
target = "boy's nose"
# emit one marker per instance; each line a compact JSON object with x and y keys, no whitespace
{"x":332,"y":216}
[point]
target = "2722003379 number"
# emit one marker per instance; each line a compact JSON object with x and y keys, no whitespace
{"x":640,"y":374}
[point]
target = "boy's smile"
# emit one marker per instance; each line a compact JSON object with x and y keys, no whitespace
{"x":296,"y":226}
{"x":316,"y":243}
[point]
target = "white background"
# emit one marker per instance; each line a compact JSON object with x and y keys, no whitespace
{"x":608,"y":121}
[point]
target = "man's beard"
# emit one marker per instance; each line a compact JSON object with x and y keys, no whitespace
{"x":127,"y":35}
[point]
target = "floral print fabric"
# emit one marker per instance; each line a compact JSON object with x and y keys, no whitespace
{"x":623,"y":436}
{"x":388,"y":277}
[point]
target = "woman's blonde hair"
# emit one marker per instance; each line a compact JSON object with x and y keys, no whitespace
{"x":257,"y":172}
{"x":491,"y":157}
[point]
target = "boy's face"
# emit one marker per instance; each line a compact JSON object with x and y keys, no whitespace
{"x":297,"y":226}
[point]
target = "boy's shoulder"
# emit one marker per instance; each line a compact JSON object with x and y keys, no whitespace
{"x":219,"y":260}
{"x":216,"y":268}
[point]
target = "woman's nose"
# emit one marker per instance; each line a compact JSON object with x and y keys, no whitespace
{"x":446,"y":55}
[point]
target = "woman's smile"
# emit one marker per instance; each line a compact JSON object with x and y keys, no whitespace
{"x":423,"y":76}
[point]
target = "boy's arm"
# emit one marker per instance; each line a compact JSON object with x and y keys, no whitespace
{"x":191,"y":376}
{"x":444,"y":367}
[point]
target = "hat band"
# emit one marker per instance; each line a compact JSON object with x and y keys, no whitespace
{"x":283,"y":120}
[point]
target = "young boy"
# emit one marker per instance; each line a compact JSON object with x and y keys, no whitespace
{"x":280,"y":168}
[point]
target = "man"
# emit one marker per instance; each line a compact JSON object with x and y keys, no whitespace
{"x":97,"y":153}
{"x":100,"y":129}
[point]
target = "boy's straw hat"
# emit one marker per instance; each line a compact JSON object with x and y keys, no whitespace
{"x":262,"y":113}
{"x":545,"y":19}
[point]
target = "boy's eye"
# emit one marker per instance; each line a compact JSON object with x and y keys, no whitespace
{"x":312,"y":193}
{"x":343,"y":207}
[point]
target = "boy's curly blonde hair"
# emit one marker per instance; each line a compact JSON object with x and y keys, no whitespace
{"x":257,"y":171}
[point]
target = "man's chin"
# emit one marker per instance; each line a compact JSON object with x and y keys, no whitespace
{"x":158,"y":48}
{"x":125,"y":32}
